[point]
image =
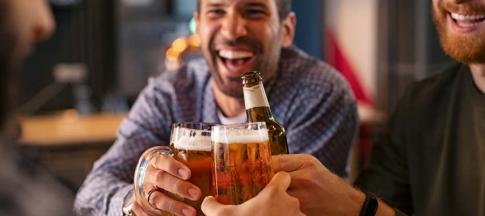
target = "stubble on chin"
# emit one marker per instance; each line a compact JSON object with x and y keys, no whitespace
{"x":231,"y":91}
{"x":467,"y":49}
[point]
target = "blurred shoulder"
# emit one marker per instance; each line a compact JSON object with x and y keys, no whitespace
{"x":434,"y":84}
{"x":310,"y":73}
{"x":437,"y":88}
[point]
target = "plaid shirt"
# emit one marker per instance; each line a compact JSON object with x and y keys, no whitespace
{"x":309,"y":98}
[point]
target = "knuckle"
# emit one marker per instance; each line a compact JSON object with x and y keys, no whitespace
{"x":171,"y":183}
{"x":172,"y":166}
{"x":163,"y":204}
{"x":155,"y":198}
{"x":295,"y":202}
{"x":311,"y":162}
{"x":160,"y":177}
{"x":169,"y":164}
{"x":160,"y":201}
{"x":315,"y":161}
{"x":272,"y":191}
{"x":160,"y":160}
{"x":308,"y":160}
{"x":181,"y":186}
{"x":170,"y":205}
{"x":163,"y":157}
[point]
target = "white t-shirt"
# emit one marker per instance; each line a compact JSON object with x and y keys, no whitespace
{"x":241,"y":118}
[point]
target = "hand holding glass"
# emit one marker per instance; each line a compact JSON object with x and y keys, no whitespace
{"x":157,"y":172}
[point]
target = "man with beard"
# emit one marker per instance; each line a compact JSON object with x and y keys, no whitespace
{"x":431,"y":161}
{"x":307,"y":96}
{"x":25,"y":189}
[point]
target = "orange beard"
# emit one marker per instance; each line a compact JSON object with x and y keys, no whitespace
{"x":467,"y":49}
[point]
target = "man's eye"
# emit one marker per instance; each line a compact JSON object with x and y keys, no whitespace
{"x":255,"y":13}
{"x":216,"y":12}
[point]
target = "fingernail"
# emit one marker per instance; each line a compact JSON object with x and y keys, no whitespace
{"x":187,"y":212}
{"x":194,"y":193}
{"x":183,"y":173}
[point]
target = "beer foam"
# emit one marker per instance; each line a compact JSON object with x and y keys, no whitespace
{"x":194,"y":143}
{"x":241,"y":137}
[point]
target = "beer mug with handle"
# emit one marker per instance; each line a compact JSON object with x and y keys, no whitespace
{"x":242,"y":161}
{"x":190,"y":143}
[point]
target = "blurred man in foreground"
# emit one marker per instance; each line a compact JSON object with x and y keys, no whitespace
{"x":432,"y":158}
{"x":24,"y":189}
{"x":308,"y":97}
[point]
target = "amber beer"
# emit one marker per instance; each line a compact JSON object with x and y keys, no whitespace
{"x":242,"y":158}
{"x":191,"y":144}
{"x":258,"y":110}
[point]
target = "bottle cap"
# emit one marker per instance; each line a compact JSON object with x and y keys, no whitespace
{"x":251,"y":77}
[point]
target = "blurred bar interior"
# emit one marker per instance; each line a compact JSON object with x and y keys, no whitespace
{"x":77,"y":86}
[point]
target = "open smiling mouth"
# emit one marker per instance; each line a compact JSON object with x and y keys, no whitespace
{"x":467,"y":21}
{"x":236,"y":62}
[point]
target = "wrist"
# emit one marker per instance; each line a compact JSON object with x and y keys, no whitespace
{"x":370,"y":205}
{"x":384,"y":209}
{"x":357,"y":198}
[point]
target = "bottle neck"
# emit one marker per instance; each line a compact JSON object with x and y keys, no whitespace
{"x":255,"y":96}
{"x":256,"y":103}
{"x":259,"y":114}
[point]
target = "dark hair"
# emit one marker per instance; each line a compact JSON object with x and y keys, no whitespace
{"x":284,"y":8}
{"x":7,"y":63}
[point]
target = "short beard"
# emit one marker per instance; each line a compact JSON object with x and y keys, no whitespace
{"x":464,"y":49}
{"x":235,"y":93}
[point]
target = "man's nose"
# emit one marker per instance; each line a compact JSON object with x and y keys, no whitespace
{"x":234,"y":27}
{"x":44,"y":24}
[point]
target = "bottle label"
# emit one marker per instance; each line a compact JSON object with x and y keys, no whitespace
{"x":255,"y":97}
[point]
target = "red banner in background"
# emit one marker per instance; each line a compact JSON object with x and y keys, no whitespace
{"x":335,"y":56}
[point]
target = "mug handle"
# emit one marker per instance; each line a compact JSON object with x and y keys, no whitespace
{"x":141,"y":168}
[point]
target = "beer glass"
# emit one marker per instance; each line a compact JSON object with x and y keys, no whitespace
{"x":191,"y":144}
{"x":242,"y":161}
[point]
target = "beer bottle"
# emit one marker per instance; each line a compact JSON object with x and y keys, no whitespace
{"x":257,"y":110}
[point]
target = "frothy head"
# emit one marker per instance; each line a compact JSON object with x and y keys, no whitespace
{"x":192,"y":140}
{"x":238,"y":136}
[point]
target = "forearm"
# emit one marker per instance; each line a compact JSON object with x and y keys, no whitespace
{"x":101,"y":194}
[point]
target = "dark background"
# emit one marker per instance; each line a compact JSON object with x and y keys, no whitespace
{"x":123,"y":44}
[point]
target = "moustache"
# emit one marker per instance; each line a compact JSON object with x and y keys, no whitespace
{"x":239,"y":42}
{"x":464,"y":8}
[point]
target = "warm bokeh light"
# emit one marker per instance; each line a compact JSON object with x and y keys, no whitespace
{"x":180,"y":45}
{"x":194,"y":41}
{"x":172,"y":54}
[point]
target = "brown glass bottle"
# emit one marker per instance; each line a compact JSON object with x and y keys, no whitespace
{"x":258,"y":110}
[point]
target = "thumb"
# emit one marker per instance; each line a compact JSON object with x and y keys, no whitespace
{"x":280,"y":180}
{"x":210,"y":206}
{"x":288,"y":163}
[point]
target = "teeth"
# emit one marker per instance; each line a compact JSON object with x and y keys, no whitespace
{"x":462,"y":17}
{"x":230,"y":54}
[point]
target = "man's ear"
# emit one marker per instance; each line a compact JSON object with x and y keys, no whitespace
{"x":289,"y":26}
